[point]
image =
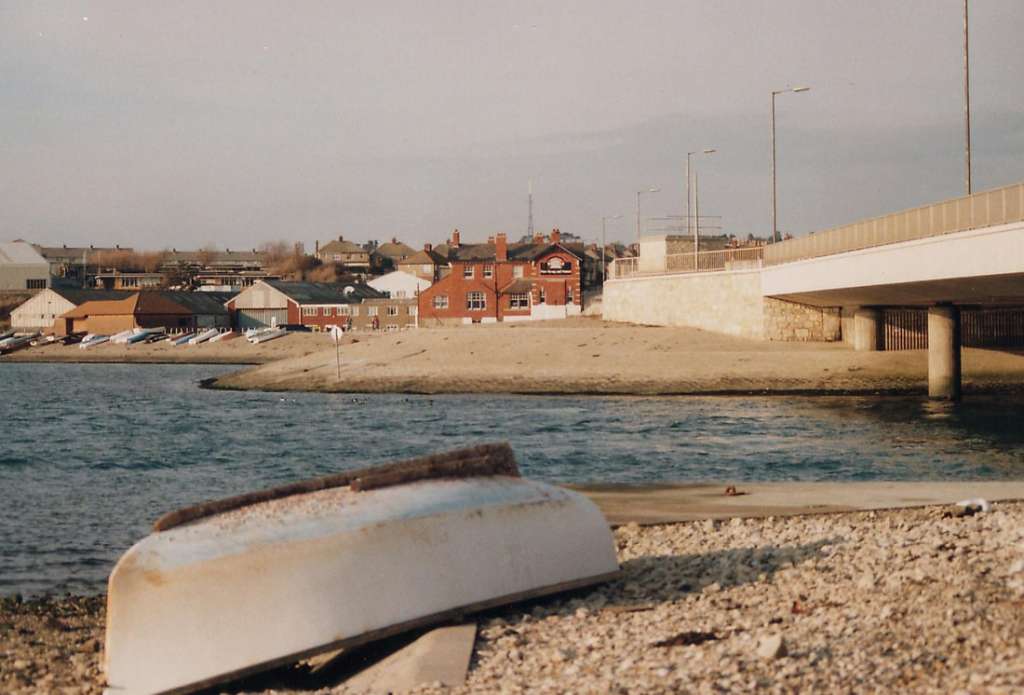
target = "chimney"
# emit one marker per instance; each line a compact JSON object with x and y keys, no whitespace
{"x":538,"y":238}
{"x":394,"y":240}
{"x":501,"y":247}
{"x":341,"y":238}
{"x":490,"y":239}
{"x":556,"y":236}
{"x":428,"y":247}
{"x":455,"y":239}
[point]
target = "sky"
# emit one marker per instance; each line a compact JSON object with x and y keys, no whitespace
{"x":182,"y":124}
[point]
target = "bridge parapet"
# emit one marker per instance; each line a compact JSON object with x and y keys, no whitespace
{"x":739,"y":258}
{"x":986,"y":209}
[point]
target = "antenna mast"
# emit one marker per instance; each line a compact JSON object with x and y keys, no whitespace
{"x":529,"y":199}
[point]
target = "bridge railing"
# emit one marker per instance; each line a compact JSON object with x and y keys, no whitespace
{"x":986,"y":209}
{"x":702,"y":262}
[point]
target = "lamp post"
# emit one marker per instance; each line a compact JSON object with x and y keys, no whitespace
{"x":967,"y":107}
{"x":604,"y":243}
{"x":775,"y":226}
{"x":649,"y":190}
{"x":696,"y":231}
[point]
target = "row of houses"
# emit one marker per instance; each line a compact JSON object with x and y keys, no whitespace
{"x":314,"y":306}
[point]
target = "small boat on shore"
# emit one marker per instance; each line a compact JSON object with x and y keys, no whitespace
{"x":272,"y":334}
{"x":236,"y":586}
{"x":203,"y":337}
{"x":122,"y":337}
{"x":182,"y":340}
{"x":16,"y":343}
{"x":142,"y":335}
{"x":227,"y":335}
{"x":93,"y":341}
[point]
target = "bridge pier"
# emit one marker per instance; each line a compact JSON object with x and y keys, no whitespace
{"x":944,"y":352}
{"x":867,"y":329}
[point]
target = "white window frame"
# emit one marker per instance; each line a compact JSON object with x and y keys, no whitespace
{"x":371,"y":311}
{"x":392,"y":310}
{"x":476,"y":301}
{"x":468,"y":272}
{"x":309,"y":311}
{"x":517,"y":271}
{"x":519,"y":300}
{"x":488,"y":271}
{"x":327,"y":311}
{"x":441,"y":301}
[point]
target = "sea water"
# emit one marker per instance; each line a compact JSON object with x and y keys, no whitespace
{"x":91,"y":454}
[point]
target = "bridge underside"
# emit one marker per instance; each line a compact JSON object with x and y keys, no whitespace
{"x":993,"y":290}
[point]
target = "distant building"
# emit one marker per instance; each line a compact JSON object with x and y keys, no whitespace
{"x":399,"y":284}
{"x":72,"y":262}
{"x":40,"y":312}
{"x":22,"y":268}
{"x":344,"y":252}
{"x":117,"y":280}
{"x":139,"y":310}
{"x":389,"y":255}
{"x":498,"y":281}
{"x":313,"y":304}
{"x":427,"y":264}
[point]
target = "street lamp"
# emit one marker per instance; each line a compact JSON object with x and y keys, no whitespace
{"x":775,"y":212}
{"x":604,"y":243}
{"x":710,"y":150}
{"x":967,"y":107}
{"x":649,"y":190}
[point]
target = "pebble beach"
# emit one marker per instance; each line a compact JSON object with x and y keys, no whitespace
{"x":925,"y":600}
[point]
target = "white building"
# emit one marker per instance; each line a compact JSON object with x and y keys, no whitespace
{"x":39,"y":312}
{"x":399,"y":285}
{"x":22,"y":268}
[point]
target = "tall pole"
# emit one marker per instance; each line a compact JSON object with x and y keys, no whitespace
{"x":688,"y":230}
{"x":775,"y":212}
{"x":604,"y":233}
{"x":529,"y":224}
{"x":638,"y":217}
{"x":967,"y":106}
{"x":696,"y":226}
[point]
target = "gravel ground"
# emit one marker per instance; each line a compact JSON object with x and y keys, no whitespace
{"x":900,"y":601}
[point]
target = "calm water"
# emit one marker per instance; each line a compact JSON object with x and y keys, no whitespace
{"x":90,"y":455}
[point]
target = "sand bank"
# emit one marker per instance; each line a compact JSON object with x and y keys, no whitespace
{"x":589,"y":356}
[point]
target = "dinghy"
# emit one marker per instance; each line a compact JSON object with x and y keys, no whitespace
{"x":272,"y":334}
{"x":203,"y":337}
{"x":232,"y":587}
{"x":183,"y":339}
{"x":227,"y":335}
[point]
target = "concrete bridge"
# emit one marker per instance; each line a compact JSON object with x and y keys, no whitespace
{"x":956,"y":255}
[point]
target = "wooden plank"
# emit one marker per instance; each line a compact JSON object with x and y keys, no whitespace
{"x":441,"y":655}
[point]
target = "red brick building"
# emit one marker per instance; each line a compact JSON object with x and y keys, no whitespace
{"x":498,"y":281}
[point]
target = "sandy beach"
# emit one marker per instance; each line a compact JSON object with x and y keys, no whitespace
{"x":918,"y":600}
{"x":590,"y":356}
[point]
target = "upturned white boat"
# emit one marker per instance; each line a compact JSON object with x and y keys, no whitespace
{"x":227,"y":335}
{"x":228,"y":588}
{"x":93,"y":342}
{"x":272,"y":334}
{"x":122,"y":337}
{"x":203,"y":337}
{"x":183,"y":339}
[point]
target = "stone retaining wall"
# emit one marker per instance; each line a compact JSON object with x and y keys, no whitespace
{"x":792,"y":322}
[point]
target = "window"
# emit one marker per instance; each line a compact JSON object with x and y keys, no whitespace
{"x":467,"y":271}
{"x":475,"y":301}
{"x":411,"y":310}
{"x":441,"y":301}
{"x":488,"y":271}
{"x":392,"y":311}
{"x":355,"y":311}
{"x":399,"y":294}
{"x":568,"y":295}
{"x":35,"y":284}
{"x":542,"y":300}
{"x":337,"y":258}
{"x":519,"y":300}
{"x":327,"y":311}
{"x":517,"y":271}
{"x":344,"y":310}
{"x":309,"y":311}
{"x":371,"y":311}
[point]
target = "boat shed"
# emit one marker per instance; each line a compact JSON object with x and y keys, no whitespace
{"x":22,"y":268}
{"x":140,"y":310}
{"x":208,"y":308}
{"x":279,"y":303}
{"x":39,"y":312}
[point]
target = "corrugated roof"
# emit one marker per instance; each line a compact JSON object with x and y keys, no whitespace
{"x":325,"y":293}
{"x":199,"y":302}
{"x":20,"y":253}
{"x":81,"y":296}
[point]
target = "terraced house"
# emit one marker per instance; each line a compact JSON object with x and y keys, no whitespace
{"x":498,"y":281}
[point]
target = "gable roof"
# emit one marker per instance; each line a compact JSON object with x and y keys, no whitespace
{"x":341,"y":246}
{"x":423,"y":257}
{"x":516,"y":252}
{"x":20,"y":253}
{"x":207,"y":303}
{"x":395,"y":249}
{"x":81,"y":296}
{"x":139,"y":304}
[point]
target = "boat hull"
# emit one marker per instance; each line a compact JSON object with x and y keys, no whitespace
{"x":280,"y":580}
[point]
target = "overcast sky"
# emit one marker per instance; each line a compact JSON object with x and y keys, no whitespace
{"x":185,"y":123}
